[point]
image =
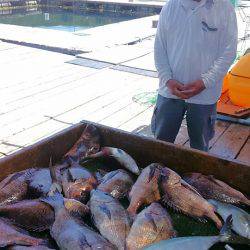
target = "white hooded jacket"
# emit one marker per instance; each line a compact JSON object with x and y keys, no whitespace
{"x":196,"y":40}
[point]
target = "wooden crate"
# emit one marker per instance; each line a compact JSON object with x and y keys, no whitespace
{"x":145,"y":151}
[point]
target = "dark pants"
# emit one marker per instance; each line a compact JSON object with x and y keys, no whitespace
{"x":168,"y":116}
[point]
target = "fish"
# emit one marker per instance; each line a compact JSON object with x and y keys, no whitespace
{"x":71,"y":233}
{"x":241,"y":219}
{"x":146,"y":189}
{"x":151,"y":225}
{"x":77,"y":183}
{"x":196,"y":242}
{"x":37,"y":216}
{"x":117,"y":183}
{"x":14,"y":187}
{"x":111,"y":219}
{"x":39,"y":183}
{"x":99,"y":174}
{"x":182,"y":197}
{"x":123,"y":158}
{"x":11,"y":235}
{"x":212,"y":188}
{"x":19,"y":247}
{"x":87,"y":144}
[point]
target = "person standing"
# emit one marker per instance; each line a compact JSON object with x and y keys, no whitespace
{"x":195,"y":44}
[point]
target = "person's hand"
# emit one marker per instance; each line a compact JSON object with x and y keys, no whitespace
{"x":193,"y":88}
{"x":176,"y":88}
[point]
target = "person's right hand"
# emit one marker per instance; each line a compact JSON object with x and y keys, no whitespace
{"x":176,"y":88}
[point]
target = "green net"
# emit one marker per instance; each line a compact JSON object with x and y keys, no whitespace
{"x":234,"y":3}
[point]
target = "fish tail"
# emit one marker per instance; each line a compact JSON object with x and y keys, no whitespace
{"x":56,"y":201}
{"x":246,"y":202}
{"x":216,"y":219}
{"x":227,"y":236}
{"x":93,"y":156}
{"x":52,"y":170}
{"x":225,"y":232}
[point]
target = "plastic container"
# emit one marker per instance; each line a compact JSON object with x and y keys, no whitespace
{"x":239,"y":82}
{"x":225,"y":85}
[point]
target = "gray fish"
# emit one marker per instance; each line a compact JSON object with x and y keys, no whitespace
{"x":14,"y":187}
{"x":77,"y":183}
{"x":119,"y":155}
{"x":19,"y":247}
{"x":212,"y":188}
{"x":195,"y":242}
{"x":241,"y":219}
{"x":35,"y":215}
{"x":69,"y":232}
{"x":182,"y":197}
{"x":40,"y":181}
{"x":146,"y":188}
{"x":151,"y":225}
{"x":11,"y":235}
{"x":111,"y":219}
{"x":117,"y":183}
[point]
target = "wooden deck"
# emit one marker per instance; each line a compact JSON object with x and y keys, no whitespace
{"x":42,"y":93}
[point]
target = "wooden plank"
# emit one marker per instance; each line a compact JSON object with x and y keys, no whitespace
{"x":6,"y":148}
{"x":139,"y":122}
{"x":244,"y":154}
{"x":39,"y":72}
{"x":117,"y":54}
{"x":52,"y":107}
{"x":124,"y":115}
{"x":145,"y":62}
{"x":231,"y":141}
{"x":60,"y":86}
{"x":220,"y":128}
{"x":33,"y":135}
{"x":182,"y":136}
{"x":101,"y":102}
{"x":226,"y":107}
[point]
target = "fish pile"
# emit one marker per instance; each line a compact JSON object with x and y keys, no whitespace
{"x":76,"y":208}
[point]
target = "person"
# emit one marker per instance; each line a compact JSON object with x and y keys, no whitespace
{"x":195,"y":44}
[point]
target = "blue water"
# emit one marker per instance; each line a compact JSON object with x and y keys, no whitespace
{"x":62,"y":20}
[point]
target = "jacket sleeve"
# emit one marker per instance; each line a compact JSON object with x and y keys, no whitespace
{"x":160,"y":48}
{"x":228,"y":53}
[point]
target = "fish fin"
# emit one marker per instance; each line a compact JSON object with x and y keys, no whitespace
{"x":215,"y":181}
{"x":105,"y":210}
{"x":32,"y":228}
{"x":69,"y":176}
{"x":191,"y":188}
{"x":52,"y":170}
{"x":167,"y":202}
{"x":151,"y":173}
{"x":56,"y":201}
{"x":55,"y":187}
{"x":227,"y":247}
{"x":225,"y":232}
{"x":151,"y":219}
{"x":201,"y":219}
{"x":29,"y":173}
{"x":12,"y":178}
{"x":77,"y":209}
{"x":109,"y":175}
{"x":84,"y":242}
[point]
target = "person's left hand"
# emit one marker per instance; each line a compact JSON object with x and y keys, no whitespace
{"x":193,"y":88}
